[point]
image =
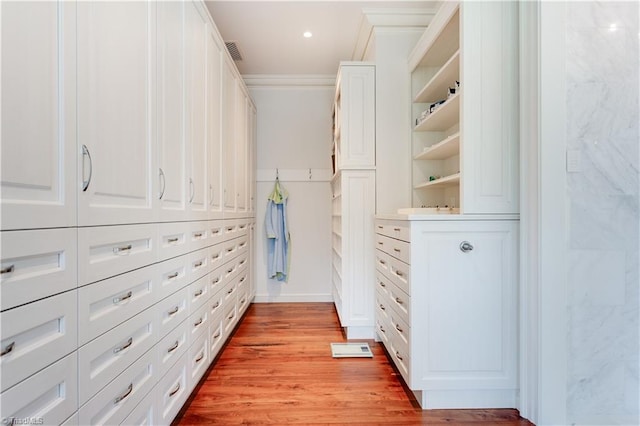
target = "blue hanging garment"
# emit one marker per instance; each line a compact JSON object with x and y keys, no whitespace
{"x":278,"y":239}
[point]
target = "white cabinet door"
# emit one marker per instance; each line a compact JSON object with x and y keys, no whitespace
{"x":242,"y":113}
{"x":469,"y":282}
{"x":195,"y":96}
{"x":172,"y":149}
{"x":38,"y":115}
{"x":214,"y":145}
{"x":251,"y":173}
{"x":228,"y":135}
{"x":116,"y":106}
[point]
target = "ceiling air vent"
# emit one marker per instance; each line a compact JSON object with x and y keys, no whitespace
{"x":232,"y":47}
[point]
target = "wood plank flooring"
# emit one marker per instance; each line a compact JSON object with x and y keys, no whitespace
{"x":277,"y":368}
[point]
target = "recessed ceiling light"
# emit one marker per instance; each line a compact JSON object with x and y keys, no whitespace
{"x":307,"y":34}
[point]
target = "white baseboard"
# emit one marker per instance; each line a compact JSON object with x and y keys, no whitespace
{"x":292,"y":298}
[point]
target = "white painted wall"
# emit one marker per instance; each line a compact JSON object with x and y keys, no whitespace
{"x":294,"y":132}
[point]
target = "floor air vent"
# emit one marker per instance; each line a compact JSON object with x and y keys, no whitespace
{"x":232,"y":47}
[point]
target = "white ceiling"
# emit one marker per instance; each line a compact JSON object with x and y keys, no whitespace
{"x":269,"y":33}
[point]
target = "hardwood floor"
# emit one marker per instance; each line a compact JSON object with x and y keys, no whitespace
{"x":277,"y":368}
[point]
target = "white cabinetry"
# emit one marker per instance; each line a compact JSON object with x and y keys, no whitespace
{"x":117,"y":259}
{"x":38,"y":178}
{"x":465,"y":150}
{"x":228,"y":126}
{"x":353,"y":188}
{"x":116,"y":83}
{"x":171,"y":142}
{"x":446,"y":308}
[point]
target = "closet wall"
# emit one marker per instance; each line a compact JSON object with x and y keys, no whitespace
{"x":294,"y":135}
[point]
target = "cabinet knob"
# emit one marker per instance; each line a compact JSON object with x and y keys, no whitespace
{"x":465,"y":247}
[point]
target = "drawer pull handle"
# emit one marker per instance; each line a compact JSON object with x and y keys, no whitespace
{"x":123,"y":249}
{"x":215,"y":256}
{"x":380,"y":243}
{"x":173,"y":311}
{"x":86,"y":153}
{"x":8,"y":269}
{"x":243,"y":262}
{"x":198,"y":235}
{"x":399,"y":329}
{"x":230,"y":317}
{"x":382,"y":307}
{"x":380,"y":227}
{"x":197,"y":323}
{"x":123,"y":347}
{"x":242,"y":279}
{"x":198,"y":264}
{"x":216,"y":305}
{"x":242,"y":245}
{"x":466,"y":247}
{"x":173,"y":240}
{"x":119,"y":299}
{"x":200,"y":357}
{"x":215,"y":336}
{"x":175,"y":391}
{"x":215,"y":231}
{"x":124,"y":395}
{"x":8,"y":349}
{"x":198,"y":293}
{"x":230,"y":270}
{"x":216,"y":281}
{"x":229,"y":250}
{"x":396,"y":250}
{"x":396,"y":229}
{"x":242,"y":301}
{"x":382,"y":262}
{"x":192,"y":190}
{"x":383,"y":330}
{"x":400,"y":274}
{"x":230,"y":228}
{"x":172,"y":276}
{"x":398,"y":356}
{"x":382,"y":284}
{"x":243,"y":226}
{"x":230,"y":291}
{"x":399,"y":301}
{"x":174,"y":347}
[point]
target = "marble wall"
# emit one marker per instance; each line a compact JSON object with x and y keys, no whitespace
{"x":602,"y":82}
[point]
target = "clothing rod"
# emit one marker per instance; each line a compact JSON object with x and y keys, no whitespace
{"x":294,"y":175}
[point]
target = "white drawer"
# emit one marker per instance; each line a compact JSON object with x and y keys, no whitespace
{"x":400,"y":303}
{"x":383,"y":263}
{"x":383,"y":310}
{"x":51,"y":394}
{"x":216,"y":279}
{"x":243,"y":300}
{"x":396,"y":248}
{"x":243,"y":244}
{"x":173,"y":239}
{"x":400,"y":328}
{"x":230,"y":249}
{"x":216,"y":255}
{"x":231,"y":228}
{"x":400,"y":355}
{"x":198,"y":265}
{"x":230,"y":316}
{"x":36,"y":335}
{"x":242,"y":261}
{"x":110,"y":354}
{"x":172,"y":392}
{"x":174,"y":275}
{"x":216,"y":231}
{"x":199,"y":359}
{"x":382,"y":284}
{"x":199,"y":235}
{"x":118,"y":399}
{"x":216,"y":303}
{"x":198,"y":293}
{"x":230,"y":292}
{"x":197,"y":323}
{"x":106,"y":251}
{"x":382,"y":331}
{"x":216,"y":338}
{"x":172,"y":347}
{"x":36,"y":264}
{"x":243,"y":280}
{"x":105,"y":304}
{"x":394,"y":229}
{"x":399,"y":274}
{"x":144,"y":413}
{"x":172,"y":311}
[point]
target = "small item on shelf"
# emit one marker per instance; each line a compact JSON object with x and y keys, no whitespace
{"x":452,"y":91}
{"x":434,"y":106}
{"x":432,"y":178}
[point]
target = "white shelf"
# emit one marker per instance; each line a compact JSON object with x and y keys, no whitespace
{"x":440,"y":40}
{"x":444,"y":149}
{"x":451,"y":180}
{"x":437,"y":87}
{"x":443,"y":118}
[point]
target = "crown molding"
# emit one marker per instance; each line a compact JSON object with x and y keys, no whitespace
{"x":289,"y":80}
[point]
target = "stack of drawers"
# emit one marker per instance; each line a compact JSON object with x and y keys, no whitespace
{"x":393,"y":292}
{"x":152,"y":307}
